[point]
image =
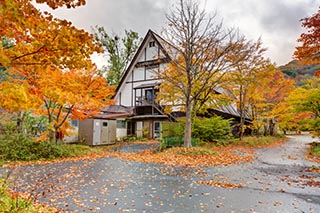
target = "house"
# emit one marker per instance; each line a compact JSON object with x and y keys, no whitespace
{"x":136,"y":93}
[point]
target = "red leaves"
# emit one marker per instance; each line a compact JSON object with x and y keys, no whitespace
{"x":308,"y":52}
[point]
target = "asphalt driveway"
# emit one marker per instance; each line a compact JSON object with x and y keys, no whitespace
{"x":277,"y":181}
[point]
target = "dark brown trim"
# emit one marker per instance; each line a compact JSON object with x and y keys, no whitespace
{"x":139,"y":81}
{"x":132,"y":77}
{"x":151,"y":63}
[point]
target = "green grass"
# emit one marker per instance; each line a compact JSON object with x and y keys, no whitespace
{"x":255,"y":141}
{"x":246,"y":141}
{"x":315,"y":150}
{"x":14,"y":204}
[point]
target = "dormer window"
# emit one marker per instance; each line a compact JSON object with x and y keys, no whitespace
{"x":152,"y":44}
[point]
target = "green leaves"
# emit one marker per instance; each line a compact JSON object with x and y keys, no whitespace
{"x":119,"y":51}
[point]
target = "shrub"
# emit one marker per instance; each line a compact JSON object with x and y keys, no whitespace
{"x":212,"y":129}
{"x":18,"y":147}
{"x":173,"y":129}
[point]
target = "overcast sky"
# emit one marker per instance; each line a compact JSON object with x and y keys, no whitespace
{"x":277,"y":22}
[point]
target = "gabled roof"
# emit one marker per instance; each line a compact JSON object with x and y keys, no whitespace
{"x":162,"y":45}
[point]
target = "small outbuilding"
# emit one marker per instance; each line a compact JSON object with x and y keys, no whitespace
{"x":97,"y":131}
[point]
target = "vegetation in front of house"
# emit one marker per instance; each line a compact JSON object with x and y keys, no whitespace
{"x":19,"y":147}
{"x":214,"y":129}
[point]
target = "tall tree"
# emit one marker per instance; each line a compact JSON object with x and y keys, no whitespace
{"x":309,"y":51}
{"x":201,"y":56}
{"x":246,"y":76}
{"x":273,"y":90}
{"x":119,"y":51}
{"x":46,"y":62}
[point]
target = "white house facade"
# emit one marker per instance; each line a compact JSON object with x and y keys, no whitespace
{"x":136,"y":93}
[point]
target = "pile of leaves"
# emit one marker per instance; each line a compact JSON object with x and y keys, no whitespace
{"x":195,"y":156}
{"x":207,"y":154}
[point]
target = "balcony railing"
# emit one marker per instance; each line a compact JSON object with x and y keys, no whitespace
{"x":144,"y":101}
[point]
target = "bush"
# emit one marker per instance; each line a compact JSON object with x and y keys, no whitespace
{"x":212,"y":129}
{"x":18,"y":147}
{"x":173,"y":129}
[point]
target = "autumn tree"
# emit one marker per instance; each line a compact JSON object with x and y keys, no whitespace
{"x":309,"y":51}
{"x":273,"y":90}
{"x":47,"y":63}
{"x":307,"y":97}
{"x":246,"y":76}
{"x":118,"y":50}
{"x":200,"y":58}
{"x":77,"y":94}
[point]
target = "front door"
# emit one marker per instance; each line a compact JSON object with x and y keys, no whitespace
{"x":105,"y":133}
{"x":156,"y":129}
{"x":131,"y":128}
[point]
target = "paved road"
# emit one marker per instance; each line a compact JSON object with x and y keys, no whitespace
{"x":276,"y":182}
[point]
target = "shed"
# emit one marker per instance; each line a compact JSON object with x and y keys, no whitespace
{"x":94,"y":131}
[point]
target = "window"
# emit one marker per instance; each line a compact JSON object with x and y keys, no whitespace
{"x":121,"y":124}
{"x":151,"y":94}
{"x":74,"y":123}
{"x":105,"y":124}
{"x":152,"y":44}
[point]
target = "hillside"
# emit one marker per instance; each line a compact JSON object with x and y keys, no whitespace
{"x":298,"y":71}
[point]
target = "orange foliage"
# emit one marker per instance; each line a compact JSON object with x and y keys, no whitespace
{"x":58,"y":3}
{"x":48,"y":62}
{"x":308,"y":52}
{"x":38,"y":39}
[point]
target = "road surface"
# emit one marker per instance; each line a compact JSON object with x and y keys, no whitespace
{"x":277,"y":181}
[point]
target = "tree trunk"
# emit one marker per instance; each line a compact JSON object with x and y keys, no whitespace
{"x":242,"y":114}
{"x":187,"y":131}
{"x":272,"y":127}
{"x":20,"y":119}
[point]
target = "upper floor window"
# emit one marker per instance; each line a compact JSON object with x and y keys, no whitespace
{"x":152,"y":44}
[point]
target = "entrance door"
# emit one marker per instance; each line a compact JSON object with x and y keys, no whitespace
{"x":156,"y":129}
{"x":131,"y":128}
{"x":105,"y":133}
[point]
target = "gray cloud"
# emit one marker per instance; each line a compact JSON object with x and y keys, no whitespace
{"x":276,"y":21}
{"x":116,"y":16}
